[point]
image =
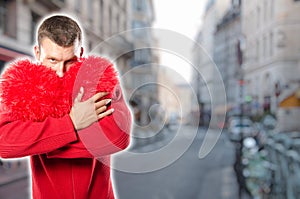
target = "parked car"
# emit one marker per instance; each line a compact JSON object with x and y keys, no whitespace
{"x":236,"y":118}
{"x":239,"y":127}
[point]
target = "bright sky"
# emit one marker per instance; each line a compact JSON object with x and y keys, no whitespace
{"x":183,"y":17}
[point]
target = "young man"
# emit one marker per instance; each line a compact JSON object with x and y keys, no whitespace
{"x":69,"y":141}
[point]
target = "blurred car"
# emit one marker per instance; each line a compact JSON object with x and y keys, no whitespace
{"x":235,"y":119}
{"x":239,"y":127}
{"x":269,"y":122}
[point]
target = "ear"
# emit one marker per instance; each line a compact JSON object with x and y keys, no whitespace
{"x":37,"y":52}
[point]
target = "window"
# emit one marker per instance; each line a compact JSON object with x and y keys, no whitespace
{"x":119,"y":20}
{"x":90,"y":5}
{"x":34,"y":20}
{"x":271,"y":43}
{"x":258,"y":17}
{"x":272,"y":9}
{"x":90,"y":44}
{"x":2,"y":14}
{"x":78,"y":6}
{"x":265,"y":8}
{"x":236,"y":2}
{"x":101,"y":16}
{"x":264,"y":46}
{"x":139,"y":5}
{"x":142,"y":56}
{"x":8,"y":18}
{"x":124,"y":24}
{"x":110,"y":18}
{"x":257,"y":50}
{"x":2,"y":63}
{"x":139,"y":32}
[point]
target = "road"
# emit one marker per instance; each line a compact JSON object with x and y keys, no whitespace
{"x":188,"y":177}
{"x":16,"y":190}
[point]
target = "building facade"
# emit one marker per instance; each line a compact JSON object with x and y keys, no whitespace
{"x":256,"y":49}
{"x":227,"y":53}
{"x":143,"y":73}
{"x":100,"y":20}
{"x":204,"y":80}
{"x":272,"y":49}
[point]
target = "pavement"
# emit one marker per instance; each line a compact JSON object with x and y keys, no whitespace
{"x":12,"y":171}
{"x":187,"y":177}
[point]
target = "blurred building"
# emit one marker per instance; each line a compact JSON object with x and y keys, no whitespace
{"x":226,"y":52}
{"x":271,"y":56}
{"x":143,"y":74}
{"x":256,"y":49}
{"x":175,"y":96}
{"x":100,"y":19}
{"x":202,"y":57}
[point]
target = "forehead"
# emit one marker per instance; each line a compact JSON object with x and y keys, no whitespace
{"x":51,"y":49}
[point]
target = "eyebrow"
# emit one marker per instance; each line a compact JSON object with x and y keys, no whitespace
{"x":55,"y":58}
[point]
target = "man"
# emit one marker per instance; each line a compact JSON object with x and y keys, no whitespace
{"x":65,"y":138}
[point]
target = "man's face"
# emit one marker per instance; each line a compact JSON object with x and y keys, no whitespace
{"x":56,"y":57}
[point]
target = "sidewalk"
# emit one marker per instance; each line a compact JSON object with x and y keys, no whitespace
{"x":12,"y":171}
{"x":188,"y":176}
{"x":146,"y":139}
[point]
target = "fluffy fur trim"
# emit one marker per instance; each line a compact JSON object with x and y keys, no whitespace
{"x":30,"y":91}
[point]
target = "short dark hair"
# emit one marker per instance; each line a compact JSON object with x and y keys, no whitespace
{"x":60,"y":29}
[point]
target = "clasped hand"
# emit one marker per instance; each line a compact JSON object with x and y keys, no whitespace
{"x":83,"y":114}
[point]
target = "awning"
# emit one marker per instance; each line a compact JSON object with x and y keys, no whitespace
{"x":8,"y":55}
{"x":290,"y":99}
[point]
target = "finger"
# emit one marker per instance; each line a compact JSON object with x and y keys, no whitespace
{"x":101,"y":110}
{"x":106,"y":113}
{"x":102,"y":103}
{"x":98,"y":96}
{"x":79,"y":95}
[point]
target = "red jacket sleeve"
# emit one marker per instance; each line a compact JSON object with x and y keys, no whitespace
{"x":24,"y":138}
{"x":110,"y":135}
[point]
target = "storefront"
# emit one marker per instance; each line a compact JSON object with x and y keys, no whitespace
{"x":288,"y":112}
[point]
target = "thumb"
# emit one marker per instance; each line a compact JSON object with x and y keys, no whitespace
{"x":79,"y":95}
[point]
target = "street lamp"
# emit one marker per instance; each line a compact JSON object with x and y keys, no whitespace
{"x":241,"y":45}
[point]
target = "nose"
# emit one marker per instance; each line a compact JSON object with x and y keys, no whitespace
{"x":60,"y":69}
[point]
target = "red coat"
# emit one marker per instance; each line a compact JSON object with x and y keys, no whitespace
{"x":34,"y":122}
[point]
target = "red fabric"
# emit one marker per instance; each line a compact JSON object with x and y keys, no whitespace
{"x":33,"y":92}
{"x":34,"y":122}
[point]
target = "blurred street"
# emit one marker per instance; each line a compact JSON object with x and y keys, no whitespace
{"x":16,"y":190}
{"x":188,"y":177}
{"x":14,"y":180}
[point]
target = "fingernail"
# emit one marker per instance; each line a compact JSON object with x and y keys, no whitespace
{"x":108,"y":101}
{"x":112,"y":110}
{"x":81,"y":89}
